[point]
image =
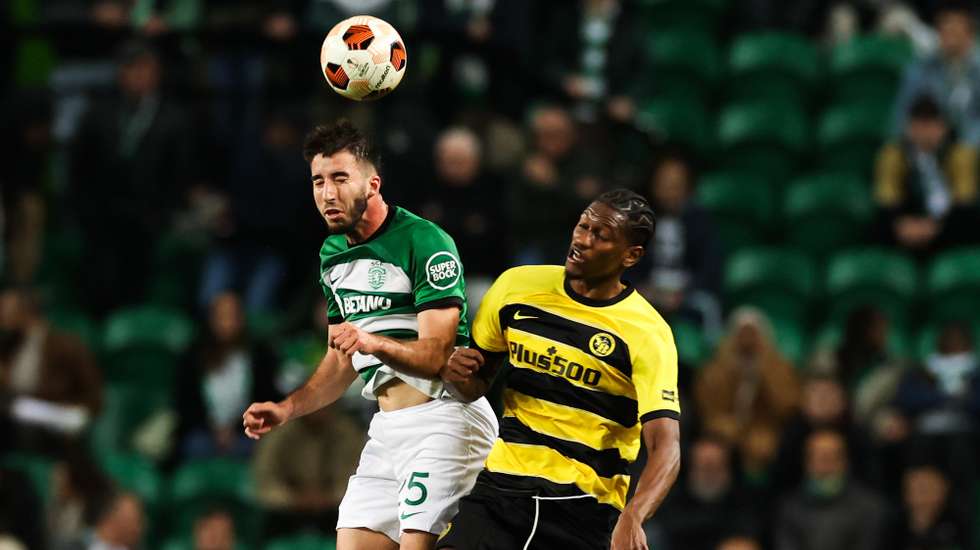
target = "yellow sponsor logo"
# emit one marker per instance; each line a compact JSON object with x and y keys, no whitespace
{"x":602,"y":344}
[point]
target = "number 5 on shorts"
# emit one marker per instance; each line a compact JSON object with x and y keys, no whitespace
{"x":423,"y":492}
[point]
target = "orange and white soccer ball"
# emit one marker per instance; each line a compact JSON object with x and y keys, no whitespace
{"x":363,"y":58}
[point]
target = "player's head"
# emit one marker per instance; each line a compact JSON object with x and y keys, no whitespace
{"x":610,"y":236}
{"x":344,"y":169}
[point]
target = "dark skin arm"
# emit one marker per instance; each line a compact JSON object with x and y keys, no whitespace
{"x":470,"y":372}
{"x":661,"y":436}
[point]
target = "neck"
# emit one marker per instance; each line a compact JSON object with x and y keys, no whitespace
{"x":601,"y":289}
{"x":374,"y":216}
{"x":105,"y":535}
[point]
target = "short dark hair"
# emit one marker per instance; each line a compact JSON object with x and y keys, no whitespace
{"x":331,"y":139}
{"x":925,"y":107}
{"x":641,"y":221}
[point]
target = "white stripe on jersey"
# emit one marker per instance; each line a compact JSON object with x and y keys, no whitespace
{"x":397,"y":321}
{"x":357,"y":276}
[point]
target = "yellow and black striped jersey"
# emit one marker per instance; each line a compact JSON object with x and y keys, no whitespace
{"x":583,"y":375}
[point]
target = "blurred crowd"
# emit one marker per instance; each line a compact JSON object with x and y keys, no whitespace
{"x":159,"y":257}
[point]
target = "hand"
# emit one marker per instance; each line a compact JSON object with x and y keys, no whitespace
{"x":628,"y":534}
{"x":260,"y":418}
{"x":348,"y":339}
{"x":462,"y":365}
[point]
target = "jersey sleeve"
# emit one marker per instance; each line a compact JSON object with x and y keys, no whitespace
{"x":487,"y":332}
{"x":437,"y":273}
{"x":655,"y":378}
{"x":334,"y":315}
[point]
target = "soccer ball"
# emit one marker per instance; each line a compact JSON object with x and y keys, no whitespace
{"x":363,"y":58}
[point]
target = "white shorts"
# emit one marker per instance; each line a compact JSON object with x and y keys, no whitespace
{"x":417,"y":464}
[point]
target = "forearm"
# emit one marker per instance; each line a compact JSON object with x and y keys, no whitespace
{"x":423,"y":357}
{"x":330,"y":380}
{"x":469,"y":390}
{"x":658,"y":476}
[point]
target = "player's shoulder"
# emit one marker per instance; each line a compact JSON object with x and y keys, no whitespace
{"x":332,"y":245}
{"x":531,"y":277}
{"x":645,"y":321}
{"x":419,"y":226}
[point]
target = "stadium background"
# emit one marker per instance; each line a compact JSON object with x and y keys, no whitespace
{"x":157,"y":228}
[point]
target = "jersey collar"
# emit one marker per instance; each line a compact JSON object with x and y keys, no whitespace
{"x":592,"y":302}
{"x":384,"y":225}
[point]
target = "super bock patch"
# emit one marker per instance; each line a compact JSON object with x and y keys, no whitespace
{"x":442,"y":270}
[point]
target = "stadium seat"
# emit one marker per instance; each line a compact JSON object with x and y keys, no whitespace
{"x":868,"y":68}
{"x":829,"y":335}
{"x":61,"y":261}
{"x":791,"y":336}
{"x":202,"y":484}
{"x":766,"y":138}
{"x":302,"y":542}
{"x":781,"y":282}
{"x":849,"y":135}
{"x":178,"y":260}
{"x":691,"y":347}
{"x":143,"y":343}
{"x":876,"y":276}
{"x":825,"y":212}
{"x":771,"y":66}
{"x":77,"y":323}
{"x":741,"y":206}
{"x":265,"y":325}
{"x":125,"y":409}
{"x":677,"y":120}
{"x":953,"y":285}
{"x":694,"y":15}
{"x":36,"y":468}
{"x":686,"y":64}
{"x":136,"y":474}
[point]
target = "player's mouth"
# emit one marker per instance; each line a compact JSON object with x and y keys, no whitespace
{"x":333,"y":213}
{"x":575,"y":256}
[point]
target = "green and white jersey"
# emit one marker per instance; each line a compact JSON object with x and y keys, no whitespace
{"x":408,"y":265}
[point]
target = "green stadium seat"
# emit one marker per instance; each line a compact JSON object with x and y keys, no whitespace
{"x":143,"y":343}
{"x":781,"y":282}
{"x":265,"y":325}
{"x":178,"y":260}
{"x":677,"y":120}
{"x":830,"y":333}
{"x":771,"y":66}
{"x":61,"y":261}
{"x":692,"y":350}
{"x":741,"y":206}
{"x":766,"y":138}
{"x":868,"y":68}
{"x":36,"y":468}
{"x":953,"y":285}
{"x":686,"y":64}
{"x":849,"y":135}
{"x":302,"y":542}
{"x":125,"y":408}
{"x":825,"y":212}
{"x":876,"y":276}
{"x":791,"y":338}
{"x":699,"y":15}
{"x":202,"y":484}
{"x":78,"y":323}
{"x":134,"y":473}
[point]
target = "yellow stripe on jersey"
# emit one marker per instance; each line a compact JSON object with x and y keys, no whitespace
{"x":541,"y":354}
{"x":572,"y":424}
{"x":549,"y":464}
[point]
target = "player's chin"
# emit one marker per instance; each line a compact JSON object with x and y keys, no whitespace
{"x":573,"y":270}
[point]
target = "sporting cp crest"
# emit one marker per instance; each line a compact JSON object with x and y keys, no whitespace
{"x":377,"y":275}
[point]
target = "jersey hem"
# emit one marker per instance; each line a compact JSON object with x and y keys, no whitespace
{"x":663,"y":413}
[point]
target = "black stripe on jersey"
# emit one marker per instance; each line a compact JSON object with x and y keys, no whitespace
{"x":519,"y":486}
{"x":566,"y":331}
{"x":617,"y":408}
{"x":605,"y":463}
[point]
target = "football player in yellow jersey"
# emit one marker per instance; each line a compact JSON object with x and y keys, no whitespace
{"x":591,"y":373}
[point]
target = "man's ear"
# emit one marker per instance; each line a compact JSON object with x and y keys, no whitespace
{"x":632,"y":256}
{"x":374,"y":182}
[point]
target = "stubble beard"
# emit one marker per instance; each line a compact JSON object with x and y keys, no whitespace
{"x":356,"y":213}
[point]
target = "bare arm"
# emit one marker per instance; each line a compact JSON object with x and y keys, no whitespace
{"x":330,"y":380}
{"x":423,"y":357}
{"x":661,"y":436}
{"x":470,"y":372}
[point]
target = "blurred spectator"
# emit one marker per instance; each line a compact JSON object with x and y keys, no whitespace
{"x":27,"y":138}
{"x":951,"y":76}
{"x":824,"y":406}
{"x":830,"y":510}
{"x":50,"y":375}
{"x":748,"y":390}
{"x":131,"y":166}
{"x":926,"y":185}
{"x":698,"y":514}
{"x":301,"y":470}
{"x":21,"y":510}
{"x":77,"y":485}
{"x":464,"y":201}
{"x":682,"y":267}
{"x":928,"y":520}
{"x":215,"y":530}
{"x":558,"y":178}
{"x":599,"y":61}
{"x":117,"y":525}
{"x":261,"y":236}
{"x":739,"y":542}
{"x":221,"y":374}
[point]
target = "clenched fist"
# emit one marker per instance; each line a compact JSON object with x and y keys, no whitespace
{"x":462,"y":365}
{"x":260,"y":418}
{"x":348,"y":339}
